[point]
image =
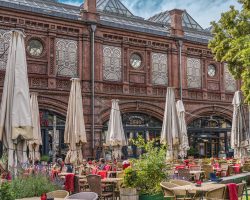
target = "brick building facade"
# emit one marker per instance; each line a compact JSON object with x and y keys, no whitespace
{"x":134,"y":60}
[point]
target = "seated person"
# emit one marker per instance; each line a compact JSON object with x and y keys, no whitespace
{"x":102,"y":164}
{"x":84,"y":168}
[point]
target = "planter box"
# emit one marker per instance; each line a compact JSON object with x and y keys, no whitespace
{"x":129,"y":194}
{"x":152,"y":197}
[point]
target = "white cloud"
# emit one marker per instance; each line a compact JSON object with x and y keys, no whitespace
{"x":203,"y":11}
{"x":72,"y":2}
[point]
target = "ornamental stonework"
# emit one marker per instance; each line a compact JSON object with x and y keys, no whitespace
{"x":193,"y":73}
{"x":112,"y":69}
{"x":5,"y":37}
{"x":230,"y":83}
{"x":159,"y":69}
{"x":66,"y":57}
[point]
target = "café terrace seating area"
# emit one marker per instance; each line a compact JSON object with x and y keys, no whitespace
{"x":188,"y":179}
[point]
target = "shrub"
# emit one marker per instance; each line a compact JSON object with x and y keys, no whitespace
{"x":6,"y":193}
{"x":44,"y":158}
{"x":149,"y":170}
{"x":31,"y":186}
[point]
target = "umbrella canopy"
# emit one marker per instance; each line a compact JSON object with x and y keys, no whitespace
{"x":75,"y":133}
{"x":34,"y":144}
{"x":15,"y":115}
{"x":115,"y":135}
{"x":239,"y":134}
{"x":170,"y":128}
{"x":184,"y":146}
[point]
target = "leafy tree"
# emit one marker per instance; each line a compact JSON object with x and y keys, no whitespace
{"x":231,"y":43}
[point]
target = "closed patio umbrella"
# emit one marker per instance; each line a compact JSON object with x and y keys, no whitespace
{"x":170,"y":128}
{"x":115,"y":135}
{"x":15,"y":115}
{"x":35,"y":143}
{"x":239,"y":134}
{"x":75,"y":133}
{"x":184,"y":146}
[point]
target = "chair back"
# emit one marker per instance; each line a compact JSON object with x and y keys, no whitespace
{"x":240,"y":189}
{"x":84,"y":195}
{"x":184,"y":174}
{"x":58,"y":194}
{"x":180,"y":182}
{"x":195,"y":168}
{"x":216,"y":193}
{"x":207,"y":170}
{"x":94,"y":182}
{"x":224,"y":166}
{"x":167,"y":189}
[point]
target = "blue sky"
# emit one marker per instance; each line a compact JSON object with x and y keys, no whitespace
{"x":203,"y":11}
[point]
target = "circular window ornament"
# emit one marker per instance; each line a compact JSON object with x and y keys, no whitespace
{"x":35,"y":47}
{"x":135,"y":61}
{"x":211,"y":70}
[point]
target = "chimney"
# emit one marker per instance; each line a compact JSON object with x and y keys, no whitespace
{"x":90,"y":6}
{"x":176,"y":22}
{"x":89,"y":11}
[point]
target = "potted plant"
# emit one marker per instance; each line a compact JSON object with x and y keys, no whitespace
{"x":148,"y":171}
{"x":44,"y":159}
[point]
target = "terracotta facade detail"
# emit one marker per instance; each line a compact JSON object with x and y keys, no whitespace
{"x":159,"y":69}
{"x":66,"y":57}
{"x":194,"y":73}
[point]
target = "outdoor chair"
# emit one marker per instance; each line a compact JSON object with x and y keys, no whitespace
{"x":95,"y":185}
{"x":240,"y":189}
{"x":58,"y":194}
{"x":214,"y":178}
{"x":84,"y":195}
{"x":224,"y":169}
{"x":216,"y":194}
{"x":184,"y":174}
{"x":169,"y":193}
{"x":207,"y":170}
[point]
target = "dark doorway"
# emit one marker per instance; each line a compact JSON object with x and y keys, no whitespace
{"x":209,"y":137}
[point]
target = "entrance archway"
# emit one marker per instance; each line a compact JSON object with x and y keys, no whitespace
{"x":136,"y":124}
{"x":210,"y":137}
{"x":52,"y":131}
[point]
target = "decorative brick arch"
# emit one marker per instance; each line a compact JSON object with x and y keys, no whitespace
{"x":54,"y":105}
{"x":225,"y":112}
{"x":138,"y":107}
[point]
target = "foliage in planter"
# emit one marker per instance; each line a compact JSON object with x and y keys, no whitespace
{"x":192,"y":151}
{"x":44,"y":158}
{"x":6,"y":193}
{"x":31,"y":186}
{"x":149,"y":170}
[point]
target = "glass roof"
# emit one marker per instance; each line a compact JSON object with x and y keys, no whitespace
{"x":114,"y":7}
{"x":45,"y":6}
{"x":187,"y":20}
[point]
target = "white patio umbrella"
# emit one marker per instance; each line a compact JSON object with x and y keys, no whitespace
{"x":239,"y":134}
{"x":15,"y":115}
{"x":35,"y":143}
{"x":170,"y":128}
{"x":75,"y":133}
{"x":184,"y":146}
{"x":115,"y":135}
